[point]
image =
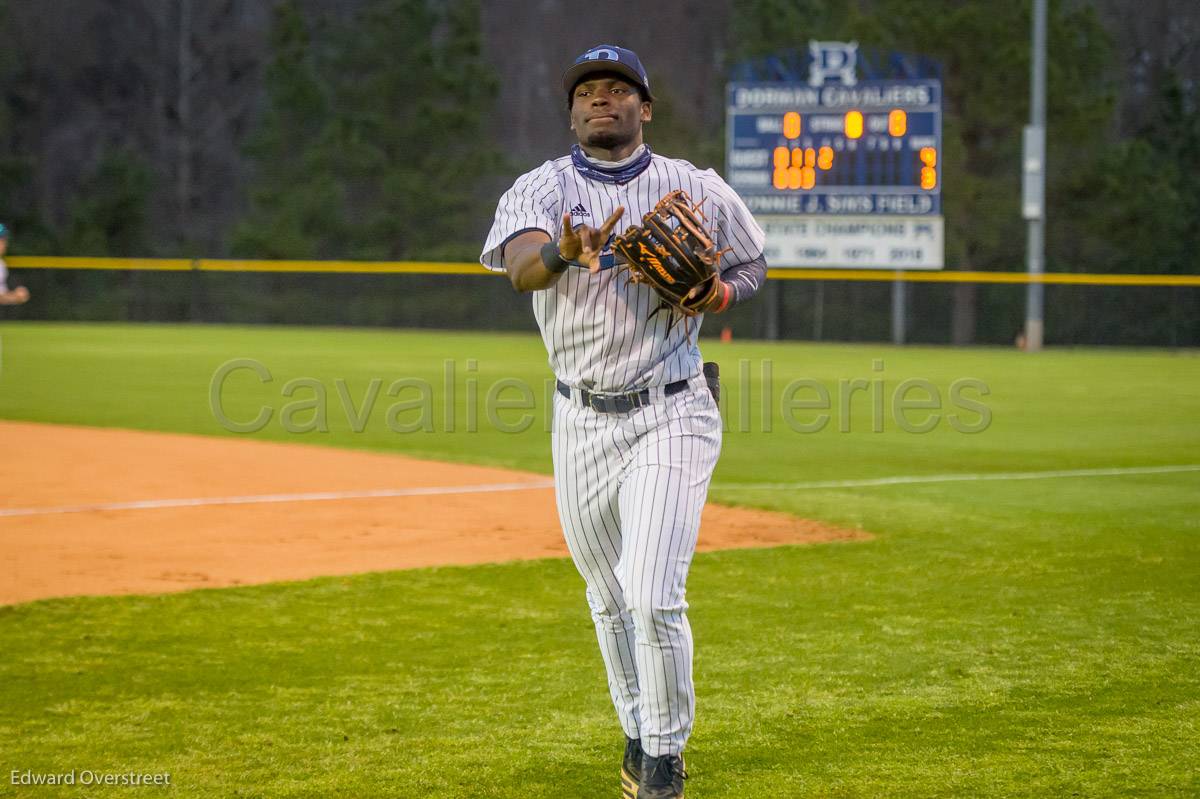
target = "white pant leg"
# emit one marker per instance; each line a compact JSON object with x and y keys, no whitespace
{"x":661,"y":499}
{"x":589,"y":451}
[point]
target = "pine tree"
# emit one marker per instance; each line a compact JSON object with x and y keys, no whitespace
{"x":296,"y":209}
{"x":374,"y":145}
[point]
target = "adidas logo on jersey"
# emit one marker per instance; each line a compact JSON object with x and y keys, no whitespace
{"x":579,"y":210}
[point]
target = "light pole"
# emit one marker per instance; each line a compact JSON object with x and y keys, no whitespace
{"x":1033,"y":194}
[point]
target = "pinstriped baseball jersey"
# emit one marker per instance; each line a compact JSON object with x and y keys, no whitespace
{"x":601,"y":331}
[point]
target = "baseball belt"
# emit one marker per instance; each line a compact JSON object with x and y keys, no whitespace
{"x":619,"y":403}
{"x":624,"y":403}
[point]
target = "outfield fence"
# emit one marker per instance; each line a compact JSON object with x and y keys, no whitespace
{"x":939,"y":307}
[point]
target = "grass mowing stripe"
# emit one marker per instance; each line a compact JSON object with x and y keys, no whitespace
{"x":956,"y":478}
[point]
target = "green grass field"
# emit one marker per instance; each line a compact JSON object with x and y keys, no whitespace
{"x":995,"y":638}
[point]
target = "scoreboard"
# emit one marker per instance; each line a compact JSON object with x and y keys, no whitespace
{"x":841,"y":175}
{"x":872,"y":148}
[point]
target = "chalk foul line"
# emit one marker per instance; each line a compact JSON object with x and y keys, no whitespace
{"x":382,"y":493}
{"x":961,"y":478}
{"x":317,"y":496}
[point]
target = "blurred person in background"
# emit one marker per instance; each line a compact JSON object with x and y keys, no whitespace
{"x":20,"y":294}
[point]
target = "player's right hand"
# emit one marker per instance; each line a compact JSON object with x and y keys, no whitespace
{"x":584,"y":244}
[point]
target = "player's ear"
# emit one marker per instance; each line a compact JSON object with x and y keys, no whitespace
{"x":647,"y":111}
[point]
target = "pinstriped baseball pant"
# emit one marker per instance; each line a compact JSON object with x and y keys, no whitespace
{"x":630,"y":489}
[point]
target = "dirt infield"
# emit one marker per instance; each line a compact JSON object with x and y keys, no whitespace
{"x":99,"y":511}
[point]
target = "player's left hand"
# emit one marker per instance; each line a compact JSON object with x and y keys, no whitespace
{"x":711,"y":296}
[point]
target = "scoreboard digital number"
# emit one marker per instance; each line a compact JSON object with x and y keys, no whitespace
{"x":843,"y":175}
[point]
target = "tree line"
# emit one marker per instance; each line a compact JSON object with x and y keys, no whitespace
{"x":376,"y":129}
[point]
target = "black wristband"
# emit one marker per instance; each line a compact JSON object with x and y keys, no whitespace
{"x":552,"y":259}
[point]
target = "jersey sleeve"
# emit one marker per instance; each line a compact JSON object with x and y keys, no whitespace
{"x":736,"y":226}
{"x":531,"y":204}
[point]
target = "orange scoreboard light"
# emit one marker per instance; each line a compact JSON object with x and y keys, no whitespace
{"x":869,"y":148}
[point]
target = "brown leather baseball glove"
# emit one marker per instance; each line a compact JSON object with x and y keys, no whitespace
{"x":673,"y":252}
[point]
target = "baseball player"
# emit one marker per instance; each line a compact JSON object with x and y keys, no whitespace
{"x":18,"y":295}
{"x":636,"y":431}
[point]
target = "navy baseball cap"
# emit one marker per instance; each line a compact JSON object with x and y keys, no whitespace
{"x":607,"y":58}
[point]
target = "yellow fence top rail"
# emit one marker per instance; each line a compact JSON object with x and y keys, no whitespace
{"x":360,"y":267}
{"x":1072,"y":278}
{"x":471,"y":268}
{"x":60,"y":262}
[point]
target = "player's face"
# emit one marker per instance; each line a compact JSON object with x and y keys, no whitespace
{"x":3,"y":245}
{"x":607,"y":112}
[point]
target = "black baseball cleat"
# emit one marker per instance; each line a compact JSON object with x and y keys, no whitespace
{"x":631,"y":768}
{"x":662,"y":777}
